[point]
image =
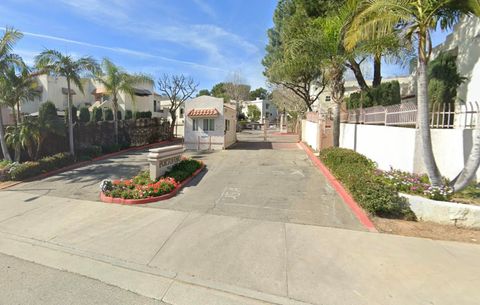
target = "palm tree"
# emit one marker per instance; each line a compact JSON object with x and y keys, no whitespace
{"x":17,"y":88}
{"x":415,"y":19}
{"x":58,"y":64}
{"x":115,"y":80}
{"x":30,"y":136}
{"x":7,"y":59}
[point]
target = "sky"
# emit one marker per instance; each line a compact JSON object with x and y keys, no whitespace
{"x":208,"y":40}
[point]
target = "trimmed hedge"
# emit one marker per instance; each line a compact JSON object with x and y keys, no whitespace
{"x":31,"y":169}
{"x":357,"y":174}
{"x":84,"y":114}
{"x":108,"y":115}
{"x":183,"y":169}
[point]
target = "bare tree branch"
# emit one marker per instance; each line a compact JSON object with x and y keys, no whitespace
{"x":178,"y":89}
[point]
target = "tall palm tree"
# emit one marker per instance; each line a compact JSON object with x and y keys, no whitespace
{"x":415,"y":19}
{"x":55,"y":63}
{"x":115,"y":80}
{"x":7,"y":59}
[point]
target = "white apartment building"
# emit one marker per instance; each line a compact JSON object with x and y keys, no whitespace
{"x":54,"y":89}
{"x":267,"y":109}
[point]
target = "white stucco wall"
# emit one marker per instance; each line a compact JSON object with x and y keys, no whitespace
{"x":400,"y":147}
{"x":388,"y":146}
{"x":52,"y":91}
{"x":310,"y":134}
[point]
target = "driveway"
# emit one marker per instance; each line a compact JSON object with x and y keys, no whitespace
{"x":267,"y":180}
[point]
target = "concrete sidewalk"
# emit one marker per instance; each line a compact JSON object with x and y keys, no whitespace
{"x":194,"y":258}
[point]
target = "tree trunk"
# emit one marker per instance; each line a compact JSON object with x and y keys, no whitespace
{"x":172,"y":124}
{"x":336,"y":126}
{"x":70,"y":119}
{"x":377,"y":71}
{"x":471,"y":166}
{"x":115,"y":117}
{"x":355,"y":67}
{"x":19,"y":117}
{"x":16,"y":146}
{"x":3,"y":143}
{"x":424,"y":124}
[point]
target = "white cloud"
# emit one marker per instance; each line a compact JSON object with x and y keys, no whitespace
{"x":213,"y":40}
{"x":204,"y":7}
{"x":28,"y":55}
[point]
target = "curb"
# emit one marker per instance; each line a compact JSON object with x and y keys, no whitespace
{"x":85,"y":163}
{"x":337,"y":185}
{"x":173,"y":193}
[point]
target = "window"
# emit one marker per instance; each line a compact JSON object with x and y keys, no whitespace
{"x":195,"y":124}
{"x":182,"y":111}
{"x":227,"y":125}
{"x":208,"y":124}
{"x":267,"y":105}
{"x":327,"y":98}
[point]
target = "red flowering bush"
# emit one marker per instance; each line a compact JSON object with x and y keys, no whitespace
{"x":127,"y":189}
{"x":141,"y":186}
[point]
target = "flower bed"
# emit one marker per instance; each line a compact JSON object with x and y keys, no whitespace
{"x":416,"y":184}
{"x":141,"y":189}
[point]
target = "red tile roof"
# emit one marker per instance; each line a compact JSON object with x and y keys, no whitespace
{"x":203,"y":112}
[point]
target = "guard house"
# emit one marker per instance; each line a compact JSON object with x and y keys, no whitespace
{"x":210,"y":123}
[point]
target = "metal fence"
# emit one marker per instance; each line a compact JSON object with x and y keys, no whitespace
{"x":405,"y":114}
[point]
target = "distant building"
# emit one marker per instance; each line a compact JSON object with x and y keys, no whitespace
{"x":161,"y":108}
{"x":210,"y":123}
{"x":267,"y":109}
{"x":54,"y":89}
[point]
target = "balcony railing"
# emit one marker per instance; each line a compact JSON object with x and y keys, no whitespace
{"x":405,"y":114}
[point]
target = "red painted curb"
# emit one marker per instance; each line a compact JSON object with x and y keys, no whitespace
{"x":337,"y":185}
{"x":84,"y":163}
{"x":108,"y":199}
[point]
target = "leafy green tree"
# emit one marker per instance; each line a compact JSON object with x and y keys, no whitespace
{"x":260,"y":93}
{"x":115,"y":80}
{"x":84,"y":114}
{"x":97,"y":114}
{"x":74,"y":115}
{"x":55,"y":63}
{"x":203,"y":92}
{"x":108,"y":115}
{"x":416,"y":19}
{"x":218,"y":90}
{"x":444,"y":79}
{"x":128,"y":114}
{"x":253,"y":113}
{"x":7,"y":59}
{"x":49,"y":124}
{"x":302,"y":71}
